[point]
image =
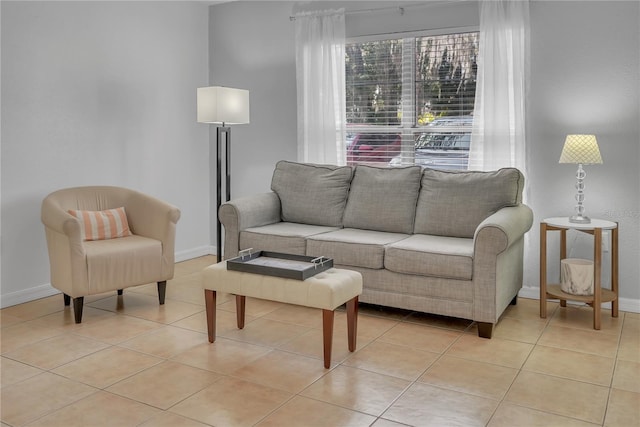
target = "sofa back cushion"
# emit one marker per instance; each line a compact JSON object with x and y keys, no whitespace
{"x":454,"y":203}
{"x":312,"y":194}
{"x":383,"y":199}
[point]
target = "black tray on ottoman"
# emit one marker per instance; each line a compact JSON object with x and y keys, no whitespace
{"x":288,"y":266}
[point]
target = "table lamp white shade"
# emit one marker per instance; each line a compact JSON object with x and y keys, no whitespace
{"x":581,"y":149}
{"x":218,"y":104}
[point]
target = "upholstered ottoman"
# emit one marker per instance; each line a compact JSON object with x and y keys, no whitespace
{"x":327,"y":291}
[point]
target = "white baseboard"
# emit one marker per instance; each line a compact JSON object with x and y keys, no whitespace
{"x":195,"y":253}
{"x":26,"y":295}
{"x":624,"y":304}
{"x":46,"y":290}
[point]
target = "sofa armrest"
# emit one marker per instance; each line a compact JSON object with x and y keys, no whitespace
{"x":246,"y":212}
{"x":512,"y":222}
{"x":497,"y":261}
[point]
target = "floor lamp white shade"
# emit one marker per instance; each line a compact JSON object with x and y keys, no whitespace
{"x":225,"y":106}
{"x":580,"y":150}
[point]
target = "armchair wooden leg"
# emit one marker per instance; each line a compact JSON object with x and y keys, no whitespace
{"x":77,"y":308}
{"x":514,"y":301}
{"x":67,"y":300}
{"x":120,"y":291}
{"x":162,"y":290}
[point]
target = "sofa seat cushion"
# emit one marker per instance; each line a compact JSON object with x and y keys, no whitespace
{"x":286,"y":237}
{"x":453,"y":203}
{"x":119,"y":263}
{"x":312,"y":194}
{"x":436,"y":256}
{"x":353,"y":247}
{"x":383,"y":199}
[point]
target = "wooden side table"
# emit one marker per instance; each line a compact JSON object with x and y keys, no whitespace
{"x":600,"y":295}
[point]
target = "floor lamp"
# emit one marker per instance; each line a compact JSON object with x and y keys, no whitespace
{"x":223,"y":106}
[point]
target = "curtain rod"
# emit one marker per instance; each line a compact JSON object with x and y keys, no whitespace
{"x":400,"y":9}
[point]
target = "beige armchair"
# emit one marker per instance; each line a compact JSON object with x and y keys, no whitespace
{"x":80,"y":268}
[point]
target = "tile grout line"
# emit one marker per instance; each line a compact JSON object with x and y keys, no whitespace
{"x":615,"y":367}
{"x":549,"y":318}
{"x":415,"y":381}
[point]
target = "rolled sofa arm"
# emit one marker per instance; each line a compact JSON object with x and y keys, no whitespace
{"x":511,"y":223}
{"x":498,"y":262}
{"x":246,"y":212}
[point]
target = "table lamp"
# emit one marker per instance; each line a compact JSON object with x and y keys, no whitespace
{"x":580,"y":150}
{"x":224,"y":106}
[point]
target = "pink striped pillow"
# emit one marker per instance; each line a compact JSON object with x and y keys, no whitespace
{"x":102,"y":225}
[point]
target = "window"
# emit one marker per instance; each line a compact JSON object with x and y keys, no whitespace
{"x":410,"y":100}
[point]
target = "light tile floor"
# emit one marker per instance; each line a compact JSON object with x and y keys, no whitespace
{"x":134,"y":363}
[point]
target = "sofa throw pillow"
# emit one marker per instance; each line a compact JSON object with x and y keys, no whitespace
{"x":312,"y":194}
{"x":383,"y":199}
{"x":102,"y":225}
{"x":454,"y":203}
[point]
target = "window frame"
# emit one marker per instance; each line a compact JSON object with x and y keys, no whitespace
{"x":409,"y":122}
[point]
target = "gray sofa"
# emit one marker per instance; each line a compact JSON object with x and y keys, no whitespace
{"x":447,"y":243}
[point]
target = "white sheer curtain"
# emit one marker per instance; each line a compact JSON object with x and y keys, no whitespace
{"x":498,"y":137}
{"x":320,"y":82}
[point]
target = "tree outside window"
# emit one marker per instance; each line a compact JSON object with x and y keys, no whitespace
{"x":410,"y":90}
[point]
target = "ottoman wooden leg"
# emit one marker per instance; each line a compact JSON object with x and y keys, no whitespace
{"x":352,"y":322}
{"x":240,"y":303}
{"x":210,"y":305}
{"x":327,"y":335}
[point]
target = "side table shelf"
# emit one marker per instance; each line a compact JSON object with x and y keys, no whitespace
{"x":600,"y":295}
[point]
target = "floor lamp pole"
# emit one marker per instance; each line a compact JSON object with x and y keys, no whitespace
{"x":226,"y":130}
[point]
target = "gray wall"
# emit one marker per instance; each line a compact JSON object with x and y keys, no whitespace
{"x":99,"y":93}
{"x":584,"y":79}
{"x":252,"y":47}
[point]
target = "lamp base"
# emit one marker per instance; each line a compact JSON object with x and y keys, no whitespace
{"x":580,"y":219}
